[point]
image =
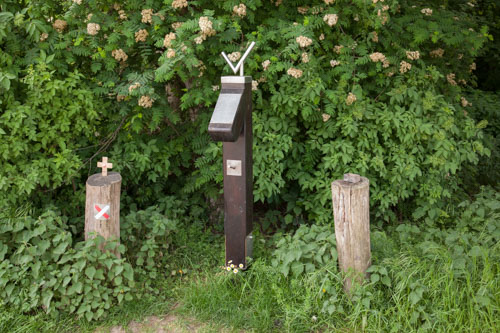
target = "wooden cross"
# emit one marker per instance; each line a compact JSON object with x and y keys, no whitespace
{"x":104,"y":165}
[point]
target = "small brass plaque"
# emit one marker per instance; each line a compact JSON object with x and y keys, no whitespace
{"x":233,"y":168}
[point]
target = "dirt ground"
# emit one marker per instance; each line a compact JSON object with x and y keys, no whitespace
{"x":170,"y":323}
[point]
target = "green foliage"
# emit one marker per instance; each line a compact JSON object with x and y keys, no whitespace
{"x":404,"y":127}
{"x":42,"y":132}
{"x":147,"y":234}
{"x":306,"y":251}
{"x":484,"y":109}
{"x":424,"y":278}
{"x":41,"y":269}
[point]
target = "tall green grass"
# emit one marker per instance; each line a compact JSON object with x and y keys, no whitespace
{"x":426,"y":293}
{"x":431,"y":277}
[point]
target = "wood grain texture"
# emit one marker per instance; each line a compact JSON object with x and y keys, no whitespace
{"x":351,"y":209}
{"x":103,"y":191}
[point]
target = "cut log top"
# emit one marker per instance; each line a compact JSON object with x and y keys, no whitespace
{"x":363,"y":182}
{"x":99,"y":180}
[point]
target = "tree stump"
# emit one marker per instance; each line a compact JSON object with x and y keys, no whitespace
{"x":351,"y":209}
{"x":102,"y":207}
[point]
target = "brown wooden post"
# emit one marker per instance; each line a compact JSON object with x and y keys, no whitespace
{"x":351,"y":209}
{"x":102,"y":206}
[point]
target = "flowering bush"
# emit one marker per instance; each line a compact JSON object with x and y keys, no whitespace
{"x":360,"y":86}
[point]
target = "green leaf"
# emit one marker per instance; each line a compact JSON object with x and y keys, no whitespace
{"x":118,"y":281}
{"x":128,"y":273}
{"x":46,"y":298}
{"x":297,"y":268}
{"x":90,"y":272}
{"x":414,"y":298}
{"x":386,"y":281}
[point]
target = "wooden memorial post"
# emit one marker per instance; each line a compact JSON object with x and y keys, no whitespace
{"x":102,"y":206}
{"x":351,"y":209}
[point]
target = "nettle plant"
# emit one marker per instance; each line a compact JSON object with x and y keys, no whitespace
{"x":364,"y":86}
{"x":41,"y":268}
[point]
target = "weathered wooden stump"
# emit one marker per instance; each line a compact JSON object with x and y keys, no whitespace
{"x":351,"y":209}
{"x":102,"y":206}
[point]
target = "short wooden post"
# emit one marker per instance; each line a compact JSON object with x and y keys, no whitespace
{"x":102,"y":206}
{"x":351,"y":209}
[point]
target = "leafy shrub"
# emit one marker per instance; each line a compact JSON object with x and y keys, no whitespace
{"x":147,"y":234}
{"x":44,"y":123}
{"x":485,"y":110}
{"x":40,"y":268}
{"x":372,"y":88}
{"x":309,"y":248}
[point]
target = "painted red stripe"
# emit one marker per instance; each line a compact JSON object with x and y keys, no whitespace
{"x":106,"y":216}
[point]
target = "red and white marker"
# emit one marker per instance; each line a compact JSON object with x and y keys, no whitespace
{"x":100,"y":211}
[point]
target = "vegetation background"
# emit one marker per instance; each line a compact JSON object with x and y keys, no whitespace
{"x":402,"y":92}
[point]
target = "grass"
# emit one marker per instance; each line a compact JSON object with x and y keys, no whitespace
{"x":426,"y":278}
{"x":427,"y":294}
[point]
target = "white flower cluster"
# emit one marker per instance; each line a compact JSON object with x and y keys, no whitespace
{"x":305,"y":58}
{"x":134,"y":86}
{"x":93,"y":28}
{"x":265,"y":64}
{"x":334,"y":63}
{"x":331,"y":19}
{"x":329,"y":2}
{"x":167,"y":42}
{"x":337,"y":48}
{"x":123,"y":15}
{"x":303,"y":41}
{"x":44,"y":36}
{"x":465,"y":103}
{"x":141,"y":35}
{"x":206,"y":29}
{"x":215,"y":88}
{"x":375,"y":37}
{"x":170,"y":53}
{"x":295,"y":72}
{"x":302,"y":10}
{"x":322,"y":37}
{"x":326,"y":117}
{"x":147,"y":16}
{"x":234,"y":57}
{"x":240,"y":10}
{"x":413,"y":55}
{"x":426,"y":11}
{"x":176,"y":25}
{"x":120,"y":98}
{"x":472,"y":67}
{"x":437,"y":53}
{"x":351,"y":98}
{"x":59,"y":25}
{"x":255,"y":85}
{"x":146,"y":102}
{"x":119,"y":55}
{"x":451,"y":79}
{"x":78,"y":2}
{"x":377,"y":56}
{"x":176,"y":4}
{"x":232,"y":267}
{"x":404,"y":67}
